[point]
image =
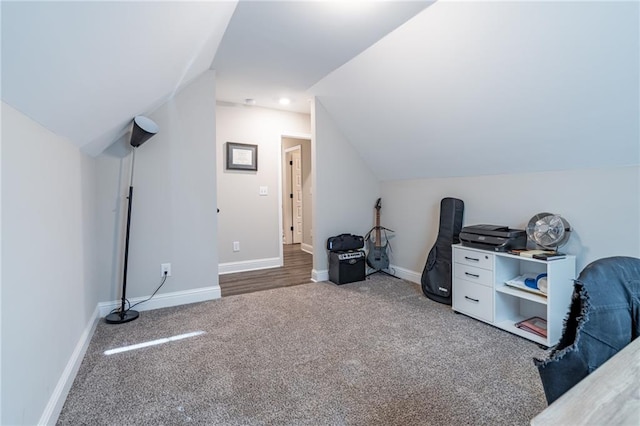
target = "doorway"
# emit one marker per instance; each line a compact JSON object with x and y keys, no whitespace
{"x":296,"y":193}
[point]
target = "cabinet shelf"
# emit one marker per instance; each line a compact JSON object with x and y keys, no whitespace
{"x":510,"y":326}
{"x":521,"y":294}
{"x":492,"y":301}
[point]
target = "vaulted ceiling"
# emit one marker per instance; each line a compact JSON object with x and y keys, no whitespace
{"x":84,"y":69}
{"x":421,"y":89}
{"x":274,"y":49}
{"x":490,"y":88}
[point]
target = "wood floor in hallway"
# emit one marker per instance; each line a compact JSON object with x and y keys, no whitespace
{"x":296,"y":270}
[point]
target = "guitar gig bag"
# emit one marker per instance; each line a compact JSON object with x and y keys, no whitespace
{"x":436,"y":277}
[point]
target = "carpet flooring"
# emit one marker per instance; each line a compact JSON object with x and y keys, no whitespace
{"x":375,"y":352}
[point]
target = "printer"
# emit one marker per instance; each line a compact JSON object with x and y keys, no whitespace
{"x":493,"y":237}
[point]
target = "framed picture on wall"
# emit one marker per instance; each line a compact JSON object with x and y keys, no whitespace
{"x":242,"y":156}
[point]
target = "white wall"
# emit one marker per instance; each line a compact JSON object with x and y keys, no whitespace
{"x":174,"y":203}
{"x":245,"y":216}
{"x":345,"y":188}
{"x":517,"y":97}
{"x":601,"y":205}
{"x":48,"y":280}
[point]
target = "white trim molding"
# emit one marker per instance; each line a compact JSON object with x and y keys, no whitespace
{"x":249,"y":265}
{"x":166,"y":300}
{"x":59,"y":395}
{"x":406,"y":274}
{"x":319,"y":276}
{"x":307,"y":248}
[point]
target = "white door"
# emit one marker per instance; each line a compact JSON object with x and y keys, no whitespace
{"x":296,"y":158}
{"x":292,"y":205}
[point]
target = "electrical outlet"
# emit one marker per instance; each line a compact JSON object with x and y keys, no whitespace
{"x":165,"y":267}
{"x":264,"y":190}
{"x":236,"y":246}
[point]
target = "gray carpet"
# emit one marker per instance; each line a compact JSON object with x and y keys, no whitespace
{"x":370,"y":353}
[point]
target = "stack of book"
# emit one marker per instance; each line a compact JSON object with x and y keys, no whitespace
{"x":535,"y":325}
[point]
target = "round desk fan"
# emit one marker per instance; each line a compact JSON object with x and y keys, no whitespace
{"x":548,"y":230}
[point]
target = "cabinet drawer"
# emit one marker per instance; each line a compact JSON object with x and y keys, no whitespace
{"x":474,"y":274}
{"x":473,"y":258}
{"x":475,"y":300}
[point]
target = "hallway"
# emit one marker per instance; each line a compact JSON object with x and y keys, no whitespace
{"x":296,"y":270}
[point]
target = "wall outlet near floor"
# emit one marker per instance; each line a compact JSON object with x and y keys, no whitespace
{"x":236,"y":246}
{"x":165,"y":267}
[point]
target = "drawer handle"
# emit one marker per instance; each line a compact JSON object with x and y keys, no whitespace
{"x":472,"y":299}
{"x":472,"y":275}
{"x":471,"y":258}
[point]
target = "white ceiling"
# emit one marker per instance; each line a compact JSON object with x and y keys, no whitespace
{"x":274,"y":49}
{"x":84,"y":69}
{"x":455,"y":89}
{"x":492,"y":88}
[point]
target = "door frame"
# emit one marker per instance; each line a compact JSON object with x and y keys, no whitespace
{"x":292,"y":135}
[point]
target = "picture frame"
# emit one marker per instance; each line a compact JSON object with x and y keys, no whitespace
{"x":242,"y":156}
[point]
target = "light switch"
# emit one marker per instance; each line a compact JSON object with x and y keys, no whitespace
{"x":264,"y":190}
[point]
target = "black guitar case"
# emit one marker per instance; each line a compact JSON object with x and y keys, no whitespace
{"x":436,"y":277}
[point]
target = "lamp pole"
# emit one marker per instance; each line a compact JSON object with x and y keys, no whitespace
{"x":126,"y":315}
{"x":143,"y":129}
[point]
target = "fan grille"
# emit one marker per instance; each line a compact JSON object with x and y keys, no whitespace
{"x":548,"y":230}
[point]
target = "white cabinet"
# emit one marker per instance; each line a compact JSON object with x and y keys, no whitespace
{"x":479,"y":290}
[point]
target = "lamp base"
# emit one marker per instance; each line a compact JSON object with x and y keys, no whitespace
{"x":121,"y":317}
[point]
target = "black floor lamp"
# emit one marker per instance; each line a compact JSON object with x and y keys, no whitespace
{"x":143,"y":129}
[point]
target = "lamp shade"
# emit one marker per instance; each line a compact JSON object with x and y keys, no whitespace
{"x":143,"y":129}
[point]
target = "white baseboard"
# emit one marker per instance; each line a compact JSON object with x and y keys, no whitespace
{"x":318,"y":276}
{"x":166,"y":300}
{"x":249,"y":265}
{"x":307,"y":248}
{"x":59,"y":395}
{"x":399,"y":272}
{"x":406,"y":274}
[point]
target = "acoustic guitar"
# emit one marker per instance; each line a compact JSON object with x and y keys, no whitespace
{"x":377,"y":258}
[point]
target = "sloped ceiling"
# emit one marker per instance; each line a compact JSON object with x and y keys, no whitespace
{"x":490,"y":88}
{"x":460,"y":89}
{"x":274,"y":49}
{"x":84,"y":69}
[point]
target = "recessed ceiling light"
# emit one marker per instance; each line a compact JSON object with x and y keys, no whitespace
{"x":285,"y":101}
{"x":250,"y":101}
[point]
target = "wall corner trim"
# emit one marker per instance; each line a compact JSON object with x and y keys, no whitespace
{"x":59,"y":395}
{"x":319,"y":276}
{"x":406,"y":274}
{"x":249,"y":265}
{"x":166,"y":300}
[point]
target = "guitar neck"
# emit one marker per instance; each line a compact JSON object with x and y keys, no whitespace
{"x":378,"y":242}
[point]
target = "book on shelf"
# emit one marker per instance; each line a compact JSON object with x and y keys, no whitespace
{"x":538,"y":254}
{"x":530,"y":253}
{"x":535,"y":325}
{"x":549,"y":256}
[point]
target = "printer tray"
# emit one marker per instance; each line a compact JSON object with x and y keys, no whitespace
{"x":493,"y":231}
{"x":494,"y":238}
